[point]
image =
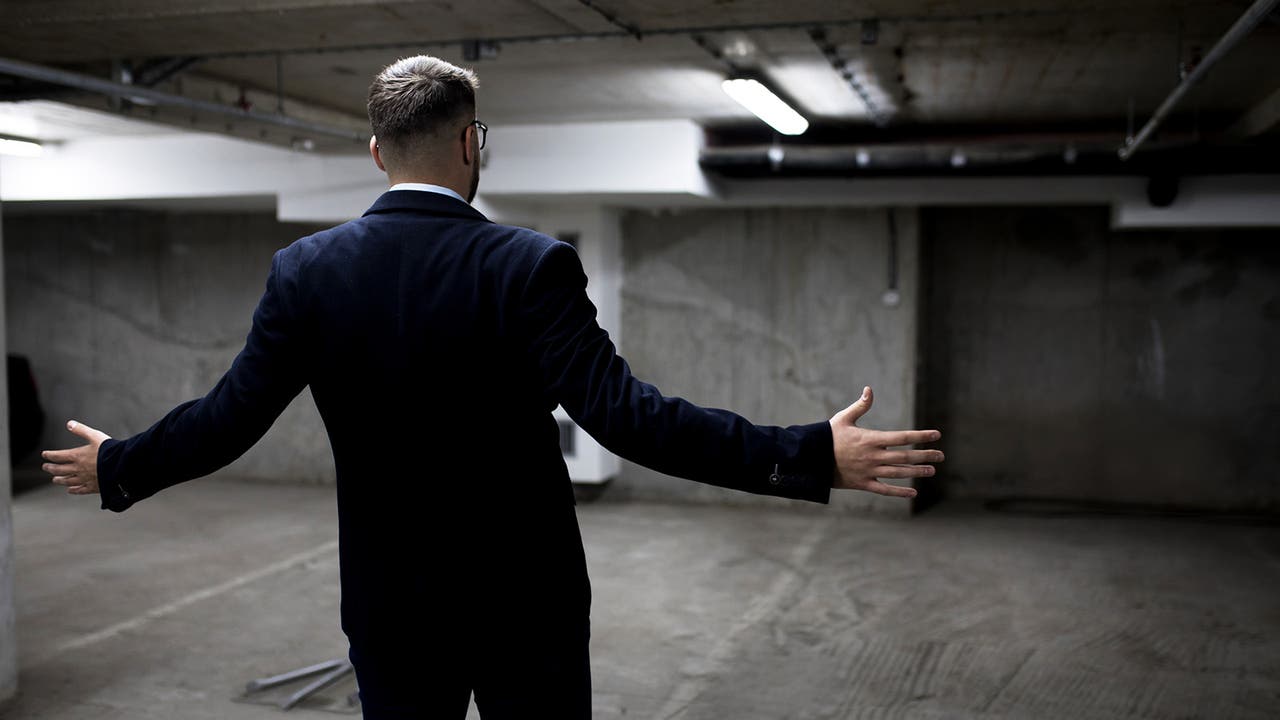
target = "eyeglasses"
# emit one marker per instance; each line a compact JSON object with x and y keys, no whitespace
{"x":484,"y":131}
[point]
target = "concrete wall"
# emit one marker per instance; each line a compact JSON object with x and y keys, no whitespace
{"x":1068,"y":360}
{"x":774,"y":313}
{"x":126,"y":313}
{"x":8,"y":633}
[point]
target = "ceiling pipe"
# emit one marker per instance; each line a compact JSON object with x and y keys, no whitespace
{"x":859,"y":159}
{"x":1242,"y":27}
{"x":994,"y":150}
{"x":89,"y":83}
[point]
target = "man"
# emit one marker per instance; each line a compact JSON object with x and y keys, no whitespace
{"x":436,"y":345}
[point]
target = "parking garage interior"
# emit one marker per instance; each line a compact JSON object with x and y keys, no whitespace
{"x":1048,"y":230}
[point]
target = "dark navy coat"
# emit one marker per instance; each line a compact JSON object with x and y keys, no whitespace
{"x":436,"y":344}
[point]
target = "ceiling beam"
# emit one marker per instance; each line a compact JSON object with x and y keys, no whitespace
{"x":841,"y":65}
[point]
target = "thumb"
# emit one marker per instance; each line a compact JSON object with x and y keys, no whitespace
{"x":854,"y":412}
{"x":86,"y":432}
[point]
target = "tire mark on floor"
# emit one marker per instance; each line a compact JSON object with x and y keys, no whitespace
{"x":765,"y":605}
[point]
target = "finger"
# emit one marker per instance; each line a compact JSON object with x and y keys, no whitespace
{"x":60,"y":469}
{"x":910,"y":457}
{"x":59,"y":456}
{"x":880,"y":488}
{"x":86,"y":432}
{"x":896,"y":438}
{"x":851,"y":414}
{"x":67,"y":480}
{"x":902,"y":471}
{"x":82,"y":490}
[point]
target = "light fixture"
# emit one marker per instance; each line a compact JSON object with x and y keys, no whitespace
{"x":776,"y":155}
{"x":862,"y":157}
{"x":20,"y":147}
{"x":764,"y":104}
{"x":958,"y":158}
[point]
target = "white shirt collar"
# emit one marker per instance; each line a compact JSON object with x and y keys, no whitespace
{"x":427,"y":187}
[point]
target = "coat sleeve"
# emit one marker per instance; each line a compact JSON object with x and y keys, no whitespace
{"x":580,"y":368}
{"x":201,"y":436}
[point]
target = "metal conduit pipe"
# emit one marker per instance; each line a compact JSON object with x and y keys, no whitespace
{"x":1242,"y":27}
{"x":826,"y":159}
{"x":97,"y":85}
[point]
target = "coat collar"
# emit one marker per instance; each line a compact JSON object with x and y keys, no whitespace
{"x":424,"y":202}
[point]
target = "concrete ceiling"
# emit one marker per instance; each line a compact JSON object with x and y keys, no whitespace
{"x":933,"y":63}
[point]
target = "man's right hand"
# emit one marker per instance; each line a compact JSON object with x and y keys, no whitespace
{"x":76,"y":469}
{"x":864,"y":456}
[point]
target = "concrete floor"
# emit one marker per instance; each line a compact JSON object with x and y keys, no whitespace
{"x":700,"y":612}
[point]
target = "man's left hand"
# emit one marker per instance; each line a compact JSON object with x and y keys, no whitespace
{"x":76,"y":468}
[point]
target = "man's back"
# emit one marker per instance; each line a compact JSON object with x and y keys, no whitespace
{"x":451,"y":487}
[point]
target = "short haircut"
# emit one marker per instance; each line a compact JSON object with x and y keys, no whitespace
{"x":418,"y":96}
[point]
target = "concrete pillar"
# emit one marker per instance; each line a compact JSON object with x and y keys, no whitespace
{"x":8,"y":633}
{"x":596,"y":232}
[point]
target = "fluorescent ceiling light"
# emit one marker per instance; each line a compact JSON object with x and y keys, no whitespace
{"x":754,"y":96}
{"x":21,"y":148}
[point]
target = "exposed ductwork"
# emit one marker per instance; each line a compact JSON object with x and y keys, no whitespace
{"x":979,"y":154}
{"x":142,"y":94}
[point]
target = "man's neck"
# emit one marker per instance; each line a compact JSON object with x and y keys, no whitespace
{"x":457,"y":187}
{"x":429,"y":187}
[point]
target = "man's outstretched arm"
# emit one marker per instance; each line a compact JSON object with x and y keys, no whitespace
{"x":580,"y":369}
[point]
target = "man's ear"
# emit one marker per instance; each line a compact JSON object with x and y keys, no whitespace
{"x":468,"y":154}
{"x":376,"y":152}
